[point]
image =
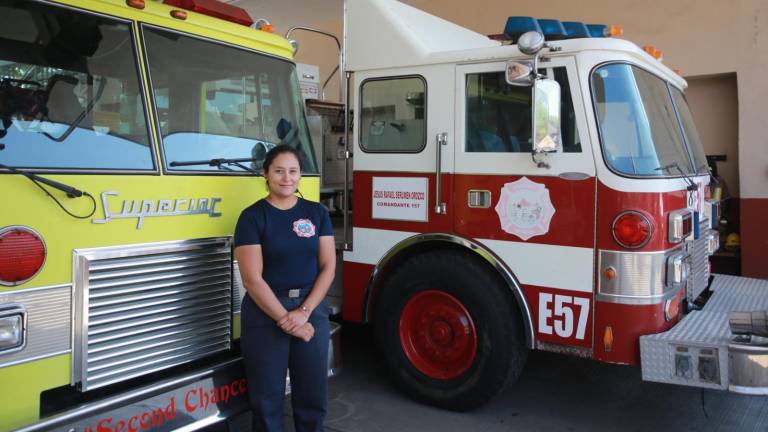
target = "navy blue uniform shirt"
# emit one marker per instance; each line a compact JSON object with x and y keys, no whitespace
{"x":289,"y":239}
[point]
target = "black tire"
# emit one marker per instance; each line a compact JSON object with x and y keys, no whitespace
{"x":462,"y":278}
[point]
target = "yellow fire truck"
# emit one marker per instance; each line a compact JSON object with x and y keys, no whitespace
{"x":130,"y":136}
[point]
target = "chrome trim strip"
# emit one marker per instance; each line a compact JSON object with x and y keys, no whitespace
{"x":640,"y":277}
{"x":239,"y":288}
{"x":131,"y":397}
{"x":49,"y":322}
{"x":126,"y":251}
{"x":31,"y":359}
{"x":80,"y":278}
{"x":479,"y":249}
{"x":638,"y":300}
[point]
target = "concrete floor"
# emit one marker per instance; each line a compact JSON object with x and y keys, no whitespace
{"x":555,"y":393}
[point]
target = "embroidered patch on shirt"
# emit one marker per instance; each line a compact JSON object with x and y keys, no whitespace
{"x":304,"y":228}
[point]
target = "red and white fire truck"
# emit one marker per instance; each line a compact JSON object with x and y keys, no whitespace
{"x":472,"y":243}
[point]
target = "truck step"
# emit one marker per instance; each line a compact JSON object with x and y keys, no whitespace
{"x":700,"y":350}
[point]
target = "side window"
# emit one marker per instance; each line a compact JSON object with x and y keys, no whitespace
{"x":70,"y":97}
{"x":571,"y":140}
{"x":498,"y":117}
{"x":392,"y":115}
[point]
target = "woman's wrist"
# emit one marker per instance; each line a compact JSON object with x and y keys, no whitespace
{"x":305,"y":309}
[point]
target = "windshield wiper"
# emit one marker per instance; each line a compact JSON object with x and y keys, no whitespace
{"x":691,"y":184}
{"x":69,"y":190}
{"x":218,"y":163}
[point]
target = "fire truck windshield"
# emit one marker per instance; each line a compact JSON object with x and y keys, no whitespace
{"x":689,"y":128}
{"x":637,"y":115}
{"x":70,"y":94}
{"x":217,"y":101}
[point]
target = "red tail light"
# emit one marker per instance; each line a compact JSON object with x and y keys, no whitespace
{"x":214,"y":8}
{"x":22,"y":254}
{"x":632,"y":229}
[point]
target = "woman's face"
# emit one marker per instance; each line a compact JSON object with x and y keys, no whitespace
{"x":283,"y":175}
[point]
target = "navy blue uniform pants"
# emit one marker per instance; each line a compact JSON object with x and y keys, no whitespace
{"x":269,"y":352}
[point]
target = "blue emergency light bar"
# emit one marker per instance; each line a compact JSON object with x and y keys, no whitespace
{"x":576,"y":29}
{"x":517,"y":25}
{"x":552,"y":29}
{"x":598,"y":30}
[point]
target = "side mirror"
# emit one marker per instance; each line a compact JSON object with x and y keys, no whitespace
{"x":519,"y":73}
{"x":546,"y":116}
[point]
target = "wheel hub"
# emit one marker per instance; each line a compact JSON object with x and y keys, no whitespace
{"x":438,"y":335}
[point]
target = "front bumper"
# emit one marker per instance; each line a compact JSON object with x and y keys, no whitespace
{"x":700,"y":350}
{"x":188,"y":402}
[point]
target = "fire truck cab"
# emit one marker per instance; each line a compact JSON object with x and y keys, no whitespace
{"x":131,"y":137}
{"x":473,"y":243}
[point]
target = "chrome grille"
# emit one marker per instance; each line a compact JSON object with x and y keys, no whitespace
{"x":144,"y":308}
{"x":699,"y":266}
{"x":239,"y":290}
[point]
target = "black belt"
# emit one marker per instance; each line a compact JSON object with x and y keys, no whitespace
{"x":292,"y":293}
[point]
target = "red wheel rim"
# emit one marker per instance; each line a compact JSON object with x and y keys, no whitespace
{"x":438,"y":335}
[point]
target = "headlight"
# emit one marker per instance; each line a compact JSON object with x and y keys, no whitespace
{"x":678,"y":268}
{"x":13,"y":327}
{"x":680,"y":225}
{"x":713,"y":242}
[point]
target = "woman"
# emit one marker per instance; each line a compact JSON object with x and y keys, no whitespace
{"x":286,"y":252}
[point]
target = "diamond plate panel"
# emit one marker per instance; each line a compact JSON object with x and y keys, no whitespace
{"x":704,"y":329}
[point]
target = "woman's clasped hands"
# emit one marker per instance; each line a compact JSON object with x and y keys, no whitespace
{"x":296,"y":323}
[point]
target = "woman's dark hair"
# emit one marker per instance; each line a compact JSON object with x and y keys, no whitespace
{"x":277,"y":151}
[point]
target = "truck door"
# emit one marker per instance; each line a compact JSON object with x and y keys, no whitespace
{"x":395,"y":173}
{"x":539,"y":220}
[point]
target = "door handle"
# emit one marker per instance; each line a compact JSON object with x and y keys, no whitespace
{"x":440,"y":206}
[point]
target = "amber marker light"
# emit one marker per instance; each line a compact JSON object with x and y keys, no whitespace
{"x":609,"y":273}
{"x":615,"y":30}
{"x":608,"y":339}
{"x":264,"y":25}
{"x":138,"y":4}
{"x":179,"y":14}
{"x":653,"y":52}
{"x":672,"y":308}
